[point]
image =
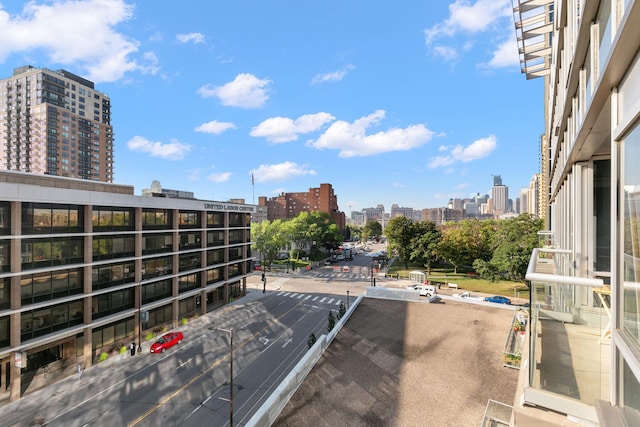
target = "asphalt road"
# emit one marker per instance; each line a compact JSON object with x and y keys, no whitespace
{"x":189,"y":384}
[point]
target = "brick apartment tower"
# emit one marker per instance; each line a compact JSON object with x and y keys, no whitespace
{"x":288,"y":205}
{"x":55,"y":123}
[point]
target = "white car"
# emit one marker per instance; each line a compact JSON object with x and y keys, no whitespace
{"x":415,"y":286}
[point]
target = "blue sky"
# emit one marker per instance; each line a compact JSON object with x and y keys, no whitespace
{"x":411,"y":102}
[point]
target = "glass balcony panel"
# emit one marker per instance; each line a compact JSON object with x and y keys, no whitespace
{"x":570,"y":330}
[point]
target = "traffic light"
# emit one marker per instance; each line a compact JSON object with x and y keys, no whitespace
{"x":263,"y":276}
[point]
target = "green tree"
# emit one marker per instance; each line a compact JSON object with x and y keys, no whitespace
{"x":342,"y":309}
{"x":312,"y":340}
{"x":371,"y":229}
{"x":465,"y":241}
{"x":512,"y":243}
{"x":331,"y":321}
{"x":268,"y":237}
{"x":297,"y":231}
{"x":401,"y":231}
{"x":424,"y":246}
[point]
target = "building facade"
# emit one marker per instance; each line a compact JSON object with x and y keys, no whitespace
{"x":88,"y":267}
{"x":583,"y":350}
{"x":55,"y":123}
{"x":288,"y":205}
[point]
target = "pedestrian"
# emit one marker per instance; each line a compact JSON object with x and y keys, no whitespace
{"x":132,"y":347}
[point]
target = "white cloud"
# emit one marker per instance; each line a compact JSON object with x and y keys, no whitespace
{"x":190,"y":37}
{"x":219,"y":177}
{"x":284,"y":129}
{"x":77,"y":34}
{"x":398,"y":185}
{"x":245,"y":91}
{"x":335,"y":76}
{"x":281,"y":172}
{"x":505,"y":54}
{"x":445,"y":52}
{"x":215,"y":127}
{"x":469,"y":18}
{"x":478,"y":149}
{"x":351,"y":139}
{"x":171,"y":151}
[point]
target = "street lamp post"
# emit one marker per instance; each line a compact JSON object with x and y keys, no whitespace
{"x":230,"y":332}
{"x":347,"y":299}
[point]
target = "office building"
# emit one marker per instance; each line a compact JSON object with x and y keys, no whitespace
{"x":87,"y":267}
{"x":500,"y":197}
{"x":399,"y":211}
{"x":55,"y":123}
{"x":288,"y":205}
{"x":581,"y":359}
{"x":523,"y":205}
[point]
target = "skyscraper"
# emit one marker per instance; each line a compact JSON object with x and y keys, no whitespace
{"x":55,"y":123}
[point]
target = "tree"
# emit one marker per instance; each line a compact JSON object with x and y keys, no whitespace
{"x":269,"y":238}
{"x":342,"y":309}
{"x":512,"y":244}
{"x":371,"y":229}
{"x":424,"y":246}
{"x":297,"y":230}
{"x":465,"y":241}
{"x":400,"y":231}
{"x":331,"y":321}
{"x":312,"y":340}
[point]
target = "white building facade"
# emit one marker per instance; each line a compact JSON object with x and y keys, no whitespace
{"x":581,"y":363}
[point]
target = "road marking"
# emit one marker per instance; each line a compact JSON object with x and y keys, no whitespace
{"x":287,"y":342}
{"x":330,"y":301}
{"x":181,"y":365}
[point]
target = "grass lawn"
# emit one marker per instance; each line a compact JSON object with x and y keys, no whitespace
{"x":465,"y":281}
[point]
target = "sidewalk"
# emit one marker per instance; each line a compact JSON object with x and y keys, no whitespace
{"x":43,"y":405}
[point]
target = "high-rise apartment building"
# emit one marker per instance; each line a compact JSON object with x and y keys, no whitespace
{"x":55,"y":123}
{"x":581,"y":358}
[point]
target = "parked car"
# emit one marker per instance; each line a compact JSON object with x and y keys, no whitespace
{"x":498,"y":299}
{"x":166,"y":341}
{"x":415,"y":286}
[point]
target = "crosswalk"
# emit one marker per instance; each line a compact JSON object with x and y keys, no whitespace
{"x":317,"y":299}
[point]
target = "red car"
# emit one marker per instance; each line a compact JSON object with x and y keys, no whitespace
{"x":166,"y":341}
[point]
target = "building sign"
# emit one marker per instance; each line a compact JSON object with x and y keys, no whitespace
{"x":21,"y":359}
{"x":229,"y":207}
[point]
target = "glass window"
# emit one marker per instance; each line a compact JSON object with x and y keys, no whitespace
{"x":156,"y":219}
{"x":215,"y":219}
{"x":157,"y":243}
{"x":39,"y":218}
{"x":602,"y":214}
{"x":5,"y":218}
{"x":631,"y":236}
{"x":189,"y":219}
{"x":5,"y":293}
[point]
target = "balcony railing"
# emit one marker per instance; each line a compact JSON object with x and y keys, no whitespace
{"x":569,"y":348}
